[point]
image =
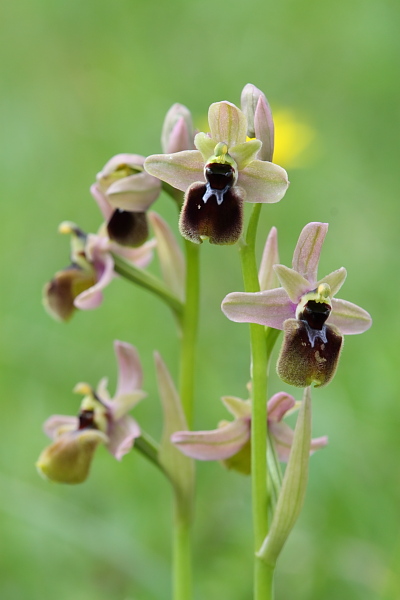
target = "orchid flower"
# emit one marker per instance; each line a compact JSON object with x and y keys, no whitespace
{"x":223,"y":172}
{"x":313,"y":321}
{"x":101,"y":420}
{"x":231,"y":441}
{"x":80,"y":285}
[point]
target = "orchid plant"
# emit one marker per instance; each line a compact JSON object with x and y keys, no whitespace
{"x":208,"y":175}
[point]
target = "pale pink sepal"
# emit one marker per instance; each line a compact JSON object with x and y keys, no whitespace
{"x":130,"y":372}
{"x":270,"y":308}
{"x":263,"y":182}
{"x":308,"y":250}
{"x":122,"y":434}
{"x":294,"y":283}
{"x":348,"y":317}
{"x":227,"y":123}
{"x":170,"y":256}
{"x":270,"y":257}
{"x":92,"y":297}
{"x":264,"y":128}
{"x":179,"y":170}
{"x":278,"y":405}
{"x":217,"y":444}
{"x":177,"y":132}
{"x":134,"y":193}
{"x":140,"y":256}
{"x":102,"y":202}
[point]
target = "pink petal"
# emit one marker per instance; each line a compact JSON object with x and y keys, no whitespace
{"x":140,"y":257}
{"x":179,"y":170}
{"x":279,"y":405}
{"x":263,"y":182}
{"x":270,"y":257}
{"x":308,"y":249}
{"x":102,"y":202}
{"x":122,"y":435}
{"x":283,"y":439}
{"x":318,"y":443}
{"x":134,"y":193}
{"x":264,"y":128}
{"x":57,"y":424}
{"x":270,"y":308}
{"x":348,"y":317}
{"x":132,"y":160}
{"x":92,"y":297}
{"x":227,"y":123}
{"x":217,"y":444}
{"x":130,"y":374}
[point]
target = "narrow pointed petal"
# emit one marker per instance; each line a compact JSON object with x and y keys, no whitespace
{"x":59,"y":424}
{"x":292,"y":494}
{"x":122,"y":435}
{"x":270,"y":308}
{"x":178,"y":467}
{"x":130,"y":373}
{"x":294,"y":284}
{"x":308,"y":250}
{"x":335,"y":280}
{"x":92,"y":297}
{"x":279,"y":405}
{"x":263,"y":182}
{"x":318,"y":443}
{"x":134,"y":193}
{"x":348,"y":317}
{"x":245,"y":153}
{"x":205,"y":145}
{"x":220,"y":223}
{"x":237,"y":407}
{"x":179,"y":170}
{"x":227,"y":123}
{"x":170,"y":256}
{"x":264,"y":129}
{"x":122,"y":404}
{"x":102,"y":202}
{"x":217,"y":444}
{"x":266,"y":275}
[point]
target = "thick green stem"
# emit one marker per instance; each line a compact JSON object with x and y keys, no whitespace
{"x":148,"y":447}
{"x":182,"y":553}
{"x":189,"y":329}
{"x":263,"y":575}
{"x":148,"y":281}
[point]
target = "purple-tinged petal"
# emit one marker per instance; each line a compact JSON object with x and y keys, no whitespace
{"x":205,"y":145}
{"x":266,"y":274}
{"x":335,"y":280}
{"x":283,"y":439}
{"x":318,"y":443}
{"x":177,"y":132}
{"x":130,"y":373}
{"x":170,"y":256}
{"x":140,"y":257}
{"x":264,"y":129}
{"x":348,"y":317}
{"x":294,"y":284}
{"x":122,"y":435}
{"x":134,"y":193}
{"x":58,"y":424}
{"x":102,"y":202}
{"x":279,"y":405}
{"x":245,"y":153}
{"x":270,"y":308}
{"x":227,"y":123}
{"x":263,"y":182}
{"x":308,"y":249}
{"x":92,"y":297}
{"x":217,"y":444}
{"x":179,"y":170}
{"x":122,"y":404}
{"x":237,"y":407}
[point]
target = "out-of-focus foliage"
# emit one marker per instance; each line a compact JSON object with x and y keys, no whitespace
{"x":84,"y":81}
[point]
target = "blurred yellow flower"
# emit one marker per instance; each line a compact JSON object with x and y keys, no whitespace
{"x":294,"y":140}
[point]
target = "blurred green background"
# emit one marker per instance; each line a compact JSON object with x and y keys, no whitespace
{"x":82,"y":81}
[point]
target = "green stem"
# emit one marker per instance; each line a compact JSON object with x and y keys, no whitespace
{"x":182,"y":553}
{"x":189,"y":329}
{"x":263,"y":574}
{"x":148,"y":281}
{"x":148,"y":447}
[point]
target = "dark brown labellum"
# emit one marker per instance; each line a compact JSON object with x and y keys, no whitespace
{"x":128,"y":228}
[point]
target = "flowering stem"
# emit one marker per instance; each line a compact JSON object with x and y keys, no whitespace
{"x":182,"y":552}
{"x":148,"y":447}
{"x":263,"y":573}
{"x":189,"y":329}
{"x":148,"y":281}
